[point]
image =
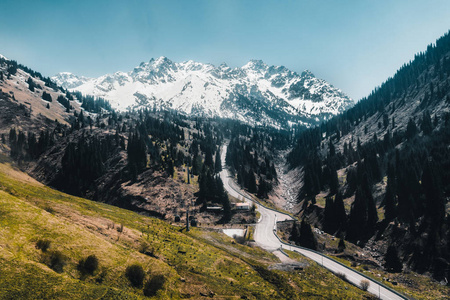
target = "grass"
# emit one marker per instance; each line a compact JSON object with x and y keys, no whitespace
{"x":250,"y":233}
{"x":191,"y":264}
{"x":313,"y":279}
{"x":411,"y":284}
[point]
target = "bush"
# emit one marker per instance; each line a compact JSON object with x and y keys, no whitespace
{"x":154,"y":285}
{"x":135,"y":274}
{"x":55,"y":260}
{"x":43,"y":245}
{"x":342,"y":276}
{"x":341,"y":245}
{"x":88,"y":265}
{"x":365,"y":284}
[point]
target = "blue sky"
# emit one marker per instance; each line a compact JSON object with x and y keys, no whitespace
{"x":355,"y":45}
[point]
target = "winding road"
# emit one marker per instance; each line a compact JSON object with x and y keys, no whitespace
{"x":265,"y":236}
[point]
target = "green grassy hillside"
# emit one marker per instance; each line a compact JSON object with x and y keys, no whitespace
{"x":194,"y":265}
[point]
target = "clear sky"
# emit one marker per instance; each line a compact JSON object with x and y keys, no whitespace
{"x":353,"y":44}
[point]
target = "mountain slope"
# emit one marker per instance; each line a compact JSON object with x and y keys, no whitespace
{"x":195,"y":265}
{"x":255,"y":92}
{"x":387,"y":161}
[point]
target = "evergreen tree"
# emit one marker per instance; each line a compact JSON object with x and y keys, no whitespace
{"x":31,"y":84}
{"x":46,"y":96}
{"x":222,"y":198}
{"x":426,"y":125}
{"x":358,"y":217}
{"x":434,"y":202}
{"x":411,"y":129}
{"x":340,"y":216}
{"x":295,"y":233}
{"x":196,"y":164}
{"x":208,"y":159}
{"x":263,"y":189}
{"x":334,"y":182}
{"x":392,"y":262}
{"x":217,"y":162}
{"x":137,"y":154}
{"x":251,"y":182}
{"x":328,"y":216}
{"x":307,"y":238}
{"x":341,"y":245}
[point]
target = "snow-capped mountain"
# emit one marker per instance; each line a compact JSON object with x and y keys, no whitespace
{"x":69,"y":80}
{"x":255,"y":93}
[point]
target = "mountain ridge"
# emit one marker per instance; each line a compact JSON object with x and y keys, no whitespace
{"x":255,"y":92}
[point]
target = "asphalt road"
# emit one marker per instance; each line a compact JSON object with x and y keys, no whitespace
{"x":265,"y":237}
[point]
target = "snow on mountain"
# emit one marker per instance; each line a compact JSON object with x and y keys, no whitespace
{"x":3,"y":57}
{"x":255,"y":93}
{"x":68,"y":80}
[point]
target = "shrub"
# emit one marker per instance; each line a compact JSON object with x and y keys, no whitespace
{"x":135,"y":274}
{"x":43,"y":245}
{"x":101,"y":277}
{"x":240,"y":239}
{"x":55,"y":260}
{"x":153,"y":285}
{"x":342,"y":276}
{"x":145,"y":248}
{"x":88,"y":265}
{"x":365,"y":284}
{"x":341,"y":245}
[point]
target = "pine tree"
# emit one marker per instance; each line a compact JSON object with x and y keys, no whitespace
{"x":307,"y":238}
{"x":217,"y":163}
{"x":339,"y":212}
{"x":196,"y":164}
{"x":263,"y":189}
{"x":392,"y":262}
{"x":426,"y":125}
{"x":31,"y":84}
{"x":358,"y":216}
{"x":251,"y":182}
{"x":434,"y":201}
{"x":295,"y":234}
{"x":411,"y":129}
{"x":222,"y":198}
{"x":341,"y":245}
{"x":46,"y":96}
{"x":334,"y":181}
{"x":328,"y":216}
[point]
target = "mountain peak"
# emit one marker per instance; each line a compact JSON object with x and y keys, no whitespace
{"x":3,"y":57}
{"x":162,"y":60}
{"x":69,"y":80}
{"x":255,"y":64}
{"x":307,"y":73}
{"x":254,"y":93}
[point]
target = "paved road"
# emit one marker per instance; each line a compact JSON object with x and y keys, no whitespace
{"x":266,"y":238}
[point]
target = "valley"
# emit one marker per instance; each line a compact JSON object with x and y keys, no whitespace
{"x":121,"y":186}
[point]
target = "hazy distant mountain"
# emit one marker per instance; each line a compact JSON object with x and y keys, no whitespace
{"x":255,"y":92}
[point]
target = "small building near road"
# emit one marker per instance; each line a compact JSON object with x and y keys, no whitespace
{"x":242,"y":206}
{"x":214,"y":208}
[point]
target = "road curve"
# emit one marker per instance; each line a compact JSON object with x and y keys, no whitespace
{"x":265,"y":236}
